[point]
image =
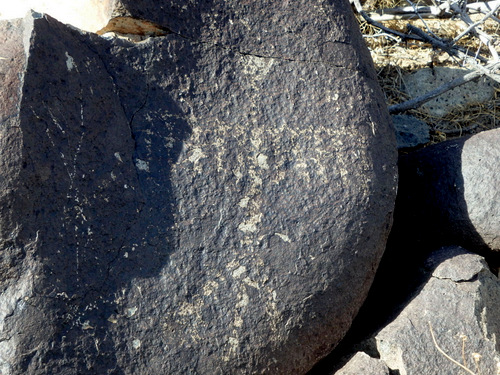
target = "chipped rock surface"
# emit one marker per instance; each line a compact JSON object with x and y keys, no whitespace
{"x":177,"y":207}
{"x":460,"y":306}
{"x":362,"y":363}
{"x":450,"y":323}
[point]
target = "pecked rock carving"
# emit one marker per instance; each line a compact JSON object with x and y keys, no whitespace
{"x":175,"y":206}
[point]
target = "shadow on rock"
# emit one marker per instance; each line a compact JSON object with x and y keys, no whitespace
{"x":432,"y":211}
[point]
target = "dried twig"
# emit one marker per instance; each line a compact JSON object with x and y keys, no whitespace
{"x":446,"y":355}
{"x":446,"y":47}
{"x":437,"y":11}
{"x":472,"y":26}
{"x":414,"y":6}
{"x":482,"y":7}
{"x":407,"y":13}
{"x":461,"y":55}
{"x":388,"y":30}
{"x":473,"y":29}
{"x":418,"y":101}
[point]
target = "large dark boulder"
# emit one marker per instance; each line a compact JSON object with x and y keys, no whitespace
{"x":174,"y":206}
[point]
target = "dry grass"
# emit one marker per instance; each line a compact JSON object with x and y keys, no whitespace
{"x":393,"y":60}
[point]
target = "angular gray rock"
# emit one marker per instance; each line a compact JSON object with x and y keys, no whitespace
{"x":448,"y":193}
{"x":362,"y":364}
{"x":410,"y":131}
{"x":173,"y":206}
{"x":453,"y":319}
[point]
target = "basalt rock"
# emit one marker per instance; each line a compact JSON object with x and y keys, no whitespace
{"x":302,"y":30}
{"x":448,"y":325}
{"x":449,"y":194}
{"x":455,"y":315}
{"x":362,"y":363}
{"x":173,"y":207}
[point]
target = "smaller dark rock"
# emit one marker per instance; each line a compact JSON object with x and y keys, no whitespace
{"x":410,"y":131}
{"x":448,"y":194}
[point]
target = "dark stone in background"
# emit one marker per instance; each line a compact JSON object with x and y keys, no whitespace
{"x":180,"y":207}
{"x":410,"y":131}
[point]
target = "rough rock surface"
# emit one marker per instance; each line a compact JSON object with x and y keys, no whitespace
{"x":174,"y":206}
{"x":424,"y":80}
{"x":306,"y":30}
{"x":457,"y":299}
{"x":410,"y":131}
{"x":362,"y":364}
{"x":460,"y":306}
{"x":448,"y":193}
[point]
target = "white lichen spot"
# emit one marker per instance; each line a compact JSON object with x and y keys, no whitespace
{"x":209,"y":287}
{"x":284,"y":237}
{"x":247,"y":227}
{"x":333,"y":97}
{"x":238,"y":322}
{"x":186,"y":309}
{"x":250,"y":282}
{"x":243,"y":203}
{"x":131,"y":311}
{"x":262,"y":161}
{"x":113,"y":176}
{"x":142,"y":165}
{"x":239,"y":271}
{"x":196,"y":155}
{"x":118,"y":157}
{"x":70,"y":63}
{"x":243,"y":300}
{"x":258,"y":67}
{"x":136,"y":344}
{"x":233,"y":342}
{"x":125,"y":255}
{"x":232,"y":265}
{"x":251,"y":224}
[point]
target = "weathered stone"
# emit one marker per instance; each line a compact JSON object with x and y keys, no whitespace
{"x":410,"y":131}
{"x":305,"y":30}
{"x":362,"y":363}
{"x":456,"y":314}
{"x":180,"y":207}
{"x":424,"y":80}
{"x":449,"y":193}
